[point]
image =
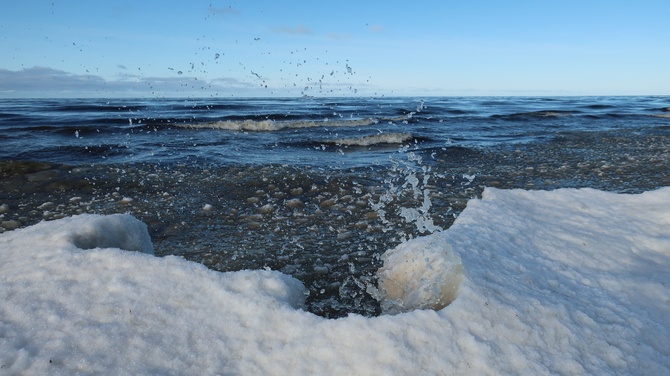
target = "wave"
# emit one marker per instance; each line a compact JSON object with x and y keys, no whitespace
{"x":535,"y":114}
{"x":377,"y":139}
{"x":11,"y":116}
{"x":75,"y":127}
{"x":456,"y":111}
{"x":73,"y":153}
{"x":269,"y":125}
{"x":598,"y":106}
{"x":234,"y":106}
{"x":94,"y":107}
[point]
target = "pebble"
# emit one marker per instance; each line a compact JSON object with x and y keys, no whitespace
{"x":345,"y":235}
{"x":371,"y":215}
{"x":294,"y":203}
{"x":42,"y":175}
{"x":327,"y":203}
{"x":253,"y":225}
{"x":266,"y":209}
{"x":46,"y":206}
{"x":10,"y":225}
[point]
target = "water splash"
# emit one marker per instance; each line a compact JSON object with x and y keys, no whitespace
{"x":409,"y":186}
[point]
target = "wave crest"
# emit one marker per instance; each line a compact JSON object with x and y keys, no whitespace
{"x":377,"y":139}
{"x":274,"y":125}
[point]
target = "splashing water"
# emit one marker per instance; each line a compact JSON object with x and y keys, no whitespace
{"x":408,"y":184}
{"x":410,"y":277}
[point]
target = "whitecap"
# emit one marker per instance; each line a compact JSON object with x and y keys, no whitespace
{"x":269,"y":125}
{"x":382,"y":138}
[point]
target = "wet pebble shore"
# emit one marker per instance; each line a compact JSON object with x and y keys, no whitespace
{"x":326,"y":227}
{"x":321,"y":226}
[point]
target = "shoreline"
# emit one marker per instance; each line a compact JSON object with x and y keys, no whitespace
{"x":325,"y":227}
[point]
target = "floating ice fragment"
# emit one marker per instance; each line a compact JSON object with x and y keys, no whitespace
{"x":470,"y":178}
{"x":126,"y":200}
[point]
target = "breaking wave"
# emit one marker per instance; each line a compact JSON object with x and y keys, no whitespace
{"x":377,"y":139}
{"x":275,"y":125}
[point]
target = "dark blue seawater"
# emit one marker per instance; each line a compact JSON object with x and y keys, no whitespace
{"x":333,"y":132}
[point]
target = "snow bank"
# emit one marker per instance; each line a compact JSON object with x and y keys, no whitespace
{"x":86,"y":231}
{"x":561,"y":282}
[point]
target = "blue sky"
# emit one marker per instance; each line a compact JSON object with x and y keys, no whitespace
{"x":271,"y":48}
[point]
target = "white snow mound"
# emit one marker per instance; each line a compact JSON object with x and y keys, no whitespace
{"x":562,"y":282}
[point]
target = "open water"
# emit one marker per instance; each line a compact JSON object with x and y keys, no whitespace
{"x":314,"y":187}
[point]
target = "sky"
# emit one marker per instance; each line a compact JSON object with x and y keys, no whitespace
{"x":346,"y":48}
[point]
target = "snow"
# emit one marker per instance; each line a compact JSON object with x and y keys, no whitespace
{"x":559,"y":282}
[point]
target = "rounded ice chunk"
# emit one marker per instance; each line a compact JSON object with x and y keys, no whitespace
{"x":422,"y":273}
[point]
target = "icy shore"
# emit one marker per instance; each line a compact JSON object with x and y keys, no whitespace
{"x":570,"y":281}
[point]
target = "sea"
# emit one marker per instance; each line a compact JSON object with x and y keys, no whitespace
{"x":317,"y":188}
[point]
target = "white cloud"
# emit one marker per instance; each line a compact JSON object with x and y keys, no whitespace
{"x":221,"y":10}
{"x":45,"y":81}
{"x":298,"y":30}
{"x":44,"y":78}
{"x":337,"y":36}
{"x":376,"y":28}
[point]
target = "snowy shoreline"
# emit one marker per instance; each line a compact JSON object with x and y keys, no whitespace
{"x":569,"y":281}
